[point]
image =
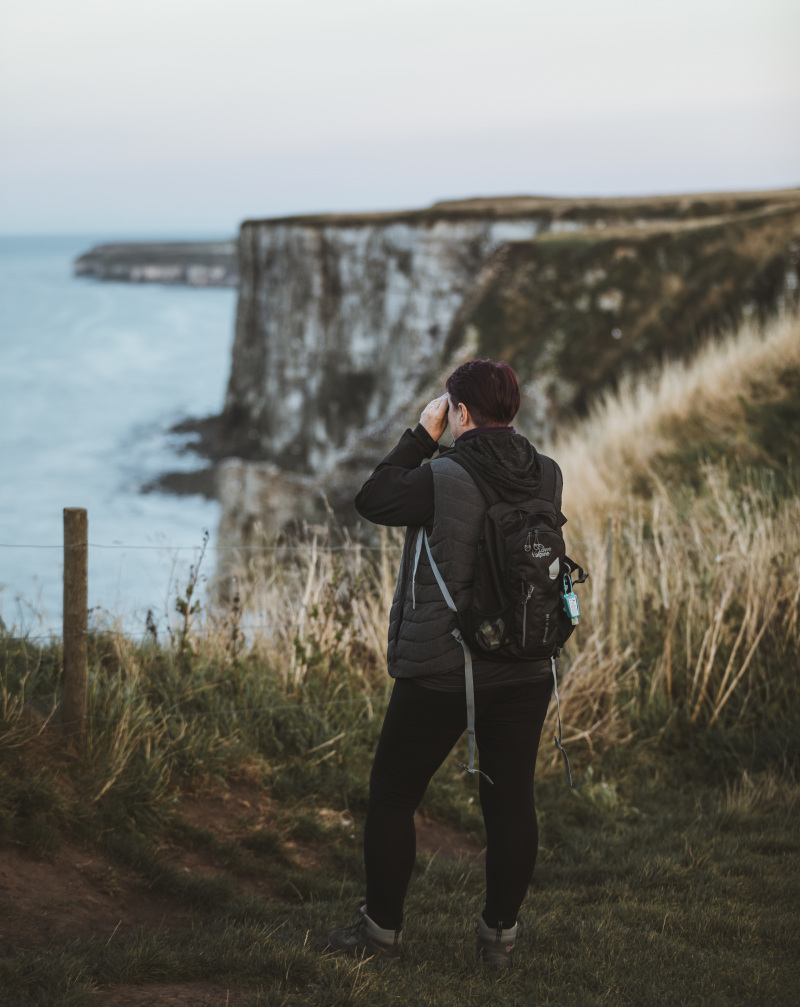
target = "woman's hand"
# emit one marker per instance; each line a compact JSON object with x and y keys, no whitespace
{"x":434,"y":416}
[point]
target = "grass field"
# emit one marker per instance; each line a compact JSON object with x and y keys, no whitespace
{"x":671,"y":887}
{"x":199,"y":844}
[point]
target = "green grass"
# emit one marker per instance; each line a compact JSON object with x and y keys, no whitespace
{"x":669,"y":875}
{"x":647,"y":894}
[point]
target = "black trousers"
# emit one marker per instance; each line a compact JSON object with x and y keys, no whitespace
{"x":420,"y":729}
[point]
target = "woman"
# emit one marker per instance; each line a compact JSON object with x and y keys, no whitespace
{"x":427,"y":712}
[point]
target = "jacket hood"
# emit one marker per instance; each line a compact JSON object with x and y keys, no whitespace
{"x":508,"y":462}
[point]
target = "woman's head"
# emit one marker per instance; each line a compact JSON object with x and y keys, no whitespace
{"x":488,"y":390}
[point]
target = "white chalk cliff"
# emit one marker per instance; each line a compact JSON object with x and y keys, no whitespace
{"x":342,"y":320}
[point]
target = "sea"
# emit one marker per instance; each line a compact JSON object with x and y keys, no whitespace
{"x":93,"y":376}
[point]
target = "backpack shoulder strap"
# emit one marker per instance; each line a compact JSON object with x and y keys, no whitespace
{"x":552,"y":485}
{"x":422,"y":536}
{"x":552,"y":482}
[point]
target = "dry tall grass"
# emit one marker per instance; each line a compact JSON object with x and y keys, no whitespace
{"x":316,"y":597}
{"x":705,"y":598}
{"x":705,"y":607}
{"x":705,"y":613}
{"x":628,"y":430}
{"x":702,"y":613}
{"x":705,"y":588}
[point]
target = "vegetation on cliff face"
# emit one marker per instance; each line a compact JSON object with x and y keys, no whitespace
{"x":575,"y":313}
{"x":680,"y":712}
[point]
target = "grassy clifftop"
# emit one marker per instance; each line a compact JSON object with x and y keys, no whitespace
{"x":561,"y":211}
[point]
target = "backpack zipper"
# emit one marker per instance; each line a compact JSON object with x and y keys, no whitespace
{"x":525,"y":601}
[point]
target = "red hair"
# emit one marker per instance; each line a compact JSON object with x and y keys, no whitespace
{"x":489,"y":391}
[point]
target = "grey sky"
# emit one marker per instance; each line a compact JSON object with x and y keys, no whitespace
{"x":188,"y":115}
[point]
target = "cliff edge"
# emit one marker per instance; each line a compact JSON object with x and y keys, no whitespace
{"x":347,"y":322}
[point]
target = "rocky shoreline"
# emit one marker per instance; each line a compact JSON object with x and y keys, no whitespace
{"x":195,"y":263}
{"x":211,"y":441}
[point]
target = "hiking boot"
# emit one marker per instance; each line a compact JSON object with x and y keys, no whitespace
{"x":496,"y":945}
{"x":366,"y":939}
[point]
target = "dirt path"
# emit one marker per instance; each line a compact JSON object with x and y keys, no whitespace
{"x":73,"y":895}
{"x":76,"y":893}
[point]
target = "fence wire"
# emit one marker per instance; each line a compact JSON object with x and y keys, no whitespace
{"x":349,"y":547}
{"x":309,"y":549}
{"x":355,"y":546}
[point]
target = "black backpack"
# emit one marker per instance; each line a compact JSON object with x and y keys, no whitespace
{"x":523,"y":606}
{"x":522,"y":575}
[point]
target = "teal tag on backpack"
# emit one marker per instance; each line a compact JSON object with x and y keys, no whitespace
{"x":570,"y":601}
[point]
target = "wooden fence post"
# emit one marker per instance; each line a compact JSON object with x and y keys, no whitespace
{"x":609,"y":607}
{"x":76,"y":620}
